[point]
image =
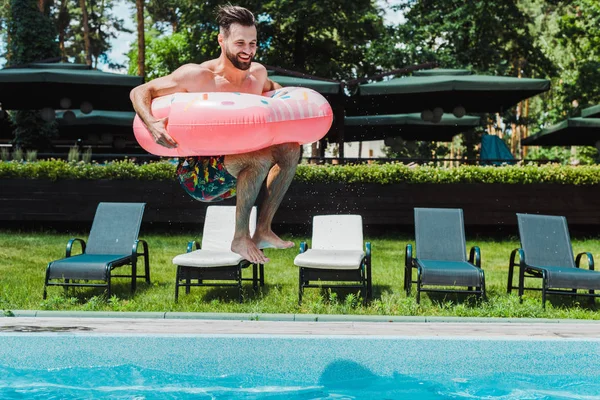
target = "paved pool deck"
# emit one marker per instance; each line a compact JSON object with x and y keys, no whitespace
{"x":293,"y":324}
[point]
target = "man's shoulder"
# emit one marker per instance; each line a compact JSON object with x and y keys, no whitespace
{"x":258,"y":69}
{"x":196,"y":69}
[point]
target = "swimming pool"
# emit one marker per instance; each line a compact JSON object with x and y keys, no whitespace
{"x":158,"y":366}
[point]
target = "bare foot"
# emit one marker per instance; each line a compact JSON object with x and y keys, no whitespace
{"x":246,"y":248}
{"x":269,"y":240}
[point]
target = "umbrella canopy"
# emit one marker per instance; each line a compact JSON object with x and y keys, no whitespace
{"x":100,"y":129}
{"x":65,"y":86}
{"x":571,"y":132}
{"x":323,"y":87}
{"x":447,"y":89}
{"x":591,"y":112}
{"x":406,"y":126}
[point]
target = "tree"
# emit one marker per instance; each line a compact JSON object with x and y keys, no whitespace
{"x":166,"y":11}
{"x":141,"y":53}
{"x":32,"y":36}
{"x":86,"y":32}
{"x":328,"y":39}
{"x":165,"y":53}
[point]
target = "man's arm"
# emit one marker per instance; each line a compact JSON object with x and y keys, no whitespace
{"x":271,"y":85}
{"x":178,"y":81}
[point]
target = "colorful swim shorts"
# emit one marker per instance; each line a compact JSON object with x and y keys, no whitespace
{"x":206,"y":178}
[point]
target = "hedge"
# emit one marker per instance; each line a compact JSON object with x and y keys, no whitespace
{"x":363,"y":173}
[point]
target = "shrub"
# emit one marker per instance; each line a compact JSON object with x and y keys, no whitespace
{"x":376,"y":173}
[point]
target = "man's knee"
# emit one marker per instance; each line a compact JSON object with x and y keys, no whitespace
{"x":287,"y":152}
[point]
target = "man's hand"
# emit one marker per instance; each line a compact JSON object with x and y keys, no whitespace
{"x":158,"y":129}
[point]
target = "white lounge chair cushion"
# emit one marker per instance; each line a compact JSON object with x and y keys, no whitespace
{"x":330,"y":259}
{"x":208,"y":258}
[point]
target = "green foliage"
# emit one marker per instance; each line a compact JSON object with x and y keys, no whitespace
{"x":32,"y":34}
{"x":578,"y":155}
{"x":104,"y":26}
{"x":164,"y":54}
{"x":399,"y":173}
{"x":32,"y":38}
{"x":31,"y":131}
{"x":383,"y":174}
{"x":458,"y":33}
{"x":59,"y":169}
{"x":329,"y":38}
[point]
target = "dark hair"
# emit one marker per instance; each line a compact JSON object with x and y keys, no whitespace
{"x":228,"y":14}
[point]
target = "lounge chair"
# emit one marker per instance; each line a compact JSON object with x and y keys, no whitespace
{"x":215,"y":261}
{"x":113,"y":242}
{"x":546,"y":254}
{"x":441,"y":258}
{"x":336,"y":255}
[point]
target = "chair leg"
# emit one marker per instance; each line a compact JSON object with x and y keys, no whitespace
{"x":521,"y":283}
{"x":509,"y":286}
{"x":592,"y":300}
{"x":418,"y":286}
{"x":239,"y":277}
{"x":544,"y":297}
{"x":177,"y":283}
{"x":188,"y":281}
{"x":147,"y":267}
{"x":262,"y":274}
{"x":255,"y":278}
{"x":408,"y":279}
{"x":133,"y":276}
{"x":300,"y":287}
{"x":108,"y":287}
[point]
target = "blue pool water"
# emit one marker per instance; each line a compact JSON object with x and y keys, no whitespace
{"x":90,"y":366}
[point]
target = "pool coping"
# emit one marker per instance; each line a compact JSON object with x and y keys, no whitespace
{"x":27,"y":322}
{"x":274,"y":317}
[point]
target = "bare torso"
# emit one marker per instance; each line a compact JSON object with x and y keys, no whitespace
{"x":209,"y":77}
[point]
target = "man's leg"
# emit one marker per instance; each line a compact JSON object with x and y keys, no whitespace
{"x":250,"y":169}
{"x":286,"y":157}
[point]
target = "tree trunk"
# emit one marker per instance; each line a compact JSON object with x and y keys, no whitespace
{"x":63,"y":23}
{"x":141,"y":38}
{"x":86,"y":32}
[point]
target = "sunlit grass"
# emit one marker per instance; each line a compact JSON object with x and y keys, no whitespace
{"x":24,"y":256}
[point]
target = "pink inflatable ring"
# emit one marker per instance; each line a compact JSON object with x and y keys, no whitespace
{"x":215,"y":123}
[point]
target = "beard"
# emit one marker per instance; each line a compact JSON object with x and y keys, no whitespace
{"x":241,"y":65}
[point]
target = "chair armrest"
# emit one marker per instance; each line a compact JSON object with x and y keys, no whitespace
{"x":521,"y":254}
{"x":475,"y":256}
{"x":191,"y":244}
{"x":590,"y":259}
{"x":134,"y":250}
{"x":303,"y":247}
{"x":70,"y":246}
{"x":368,"y":250}
{"x":408,"y":256}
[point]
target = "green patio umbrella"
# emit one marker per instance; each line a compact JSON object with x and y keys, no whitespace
{"x":571,"y":132}
{"x":591,"y":112}
{"x":99,"y":129}
{"x":406,"y":126}
{"x":326,"y":88}
{"x":65,"y":86}
{"x":452,"y":91}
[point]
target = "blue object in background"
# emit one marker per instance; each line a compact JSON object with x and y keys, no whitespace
{"x":495,"y":150}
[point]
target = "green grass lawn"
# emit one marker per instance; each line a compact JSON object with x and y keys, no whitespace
{"x":24,"y":256}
